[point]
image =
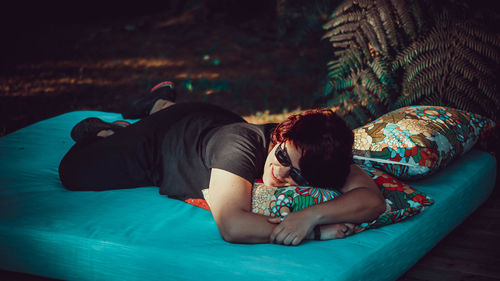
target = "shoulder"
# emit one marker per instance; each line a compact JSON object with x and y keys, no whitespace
{"x":238,"y":148}
{"x":358,"y":178}
{"x":239,"y":134}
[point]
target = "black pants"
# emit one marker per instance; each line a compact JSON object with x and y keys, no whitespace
{"x":129,"y":158}
{"x":122,"y":160}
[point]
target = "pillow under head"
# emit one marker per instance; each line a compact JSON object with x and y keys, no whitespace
{"x":402,"y":201}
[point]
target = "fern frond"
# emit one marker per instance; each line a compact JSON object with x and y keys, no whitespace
{"x":342,"y":84}
{"x":351,"y":59}
{"x":373,"y":19}
{"x":339,"y":98}
{"x":373,"y":86}
{"x":422,"y":63}
{"x":435,"y":41}
{"x":346,"y":28}
{"x":342,"y":37}
{"x":473,"y":58}
{"x":365,"y":4}
{"x":475,"y":33}
{"x":432,"y":74}
{"x":344,"y":6}
{"x":485,"y":49}
{"x":467,"y":70}
{"x":464,"y":88}
{"x":490,"y":90}
{"x":450,"y":65}
{"x":413,"y":93}
{"x":381,"y":70}
{"x":344,"y":45}
{"x":385,"y":51}
{"x":406,"y":56}
{"x":455,"y":99}
{"x":484,"y":81}
{"x":406,"y":19}
{"x":432,"y":100}
{"x":384,"y":12}
{"x":343,"y":19}
{"x":372,"y":38}
{"x":362,"y":43}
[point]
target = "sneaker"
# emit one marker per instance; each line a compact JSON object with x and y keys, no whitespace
{"x":140,"y":107}
{"x":87,"y":129}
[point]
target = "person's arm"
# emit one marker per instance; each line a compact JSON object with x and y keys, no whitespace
{"x":230,"y":202}
{"x":361,"y":201}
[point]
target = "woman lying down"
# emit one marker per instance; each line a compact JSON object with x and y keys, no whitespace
{"x":184,"y":147}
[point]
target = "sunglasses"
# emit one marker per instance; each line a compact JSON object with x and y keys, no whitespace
{"x":284,"y":160}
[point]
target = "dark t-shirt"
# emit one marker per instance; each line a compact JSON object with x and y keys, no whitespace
{"x":196,"y":137}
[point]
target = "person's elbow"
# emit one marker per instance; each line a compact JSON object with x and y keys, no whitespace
{"x":376,"y":206}
{"x":231,"y":235}
{"x":232,"y":231}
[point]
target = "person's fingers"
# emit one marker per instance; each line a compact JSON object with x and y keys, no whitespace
{"x":274,"y":220}
{"x":340,"y":233}
{"x":350,"y":229}
{"x":344,"y":229}
{"x":289,"y":239}
{"x":272,"y":237}
{"x":281,"y":237}
{"x":276,"y":232}
{"x":297,"y":240}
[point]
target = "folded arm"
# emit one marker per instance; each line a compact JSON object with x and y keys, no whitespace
{"x":361,"y":201}
{"x":231,"y":198}
{"x":230,"y":203}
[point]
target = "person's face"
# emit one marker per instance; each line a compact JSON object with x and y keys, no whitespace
{"x":277,"y":174}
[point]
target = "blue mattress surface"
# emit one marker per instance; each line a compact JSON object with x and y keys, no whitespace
{"x":138,"y":234}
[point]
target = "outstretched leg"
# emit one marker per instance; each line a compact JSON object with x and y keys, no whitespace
{"x":111,"y":159}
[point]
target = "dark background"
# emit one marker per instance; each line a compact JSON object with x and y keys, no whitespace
{"x":65,"y":56}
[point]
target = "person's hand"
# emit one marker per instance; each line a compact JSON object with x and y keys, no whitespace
{"x":336,"y":231}
{"x":292,"y":229}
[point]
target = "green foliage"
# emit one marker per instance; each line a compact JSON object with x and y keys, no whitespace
{"x":387,"y":55}
{"x":366,"y":36}
{"x":455,"y":65}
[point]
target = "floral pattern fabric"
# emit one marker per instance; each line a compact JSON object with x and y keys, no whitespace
{"x":416,"y":141}
{"x":278,"y":202}
{"x":402,"y":201}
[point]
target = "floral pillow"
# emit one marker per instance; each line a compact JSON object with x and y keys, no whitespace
{"x":280,"y":201}
{"x":416,"y":141}
{"x":402,"y":201}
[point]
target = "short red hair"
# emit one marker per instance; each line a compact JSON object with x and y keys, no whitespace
{"x":326,"y":142}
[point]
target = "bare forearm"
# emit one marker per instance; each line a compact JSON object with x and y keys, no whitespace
{"x":247,"y":228}
{"x":356,"y":206}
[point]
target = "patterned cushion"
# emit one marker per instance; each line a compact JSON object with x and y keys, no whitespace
{"x":402,"y":201}
{"x":416,"y":141}
{"x":280,"y":201}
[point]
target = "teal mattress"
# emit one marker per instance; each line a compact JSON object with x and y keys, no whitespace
{"x":138,"y":234}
